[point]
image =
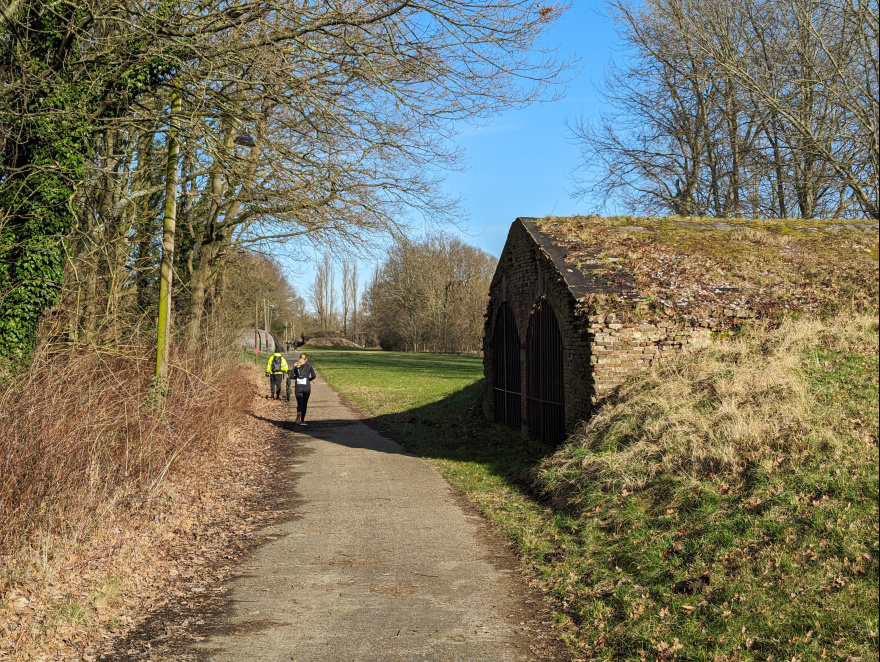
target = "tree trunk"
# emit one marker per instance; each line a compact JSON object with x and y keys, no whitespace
{"x":732,"y":204}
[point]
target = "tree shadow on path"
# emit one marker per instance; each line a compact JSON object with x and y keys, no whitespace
{"x":452,"y":428}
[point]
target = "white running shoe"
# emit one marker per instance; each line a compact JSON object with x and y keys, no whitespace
{"x":303,"y":423}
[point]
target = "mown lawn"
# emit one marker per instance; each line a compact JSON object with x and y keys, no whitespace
{"x":380,"y":383}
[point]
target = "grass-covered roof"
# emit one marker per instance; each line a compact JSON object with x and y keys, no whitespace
{"x":699,"y":268}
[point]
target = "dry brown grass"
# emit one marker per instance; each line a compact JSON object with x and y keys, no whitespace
{"x":98,"y":488}
{"x":739,"y":405}
{"x":331,"y":342}
{"x":75,"y":430}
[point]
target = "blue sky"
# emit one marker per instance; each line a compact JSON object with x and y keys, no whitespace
{"x":519,"y":163}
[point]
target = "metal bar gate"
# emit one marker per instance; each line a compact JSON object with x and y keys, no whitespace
{"x":545,"y":377}
{"x":506,"y":368}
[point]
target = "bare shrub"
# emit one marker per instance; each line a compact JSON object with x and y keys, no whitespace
{"x":77,"y":435}
{"x":330,"y":341}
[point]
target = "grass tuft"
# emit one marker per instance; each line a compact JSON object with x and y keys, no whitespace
{"x":741,"y":407}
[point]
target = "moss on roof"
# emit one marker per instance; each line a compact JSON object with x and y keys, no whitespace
{"x":698,"y":267}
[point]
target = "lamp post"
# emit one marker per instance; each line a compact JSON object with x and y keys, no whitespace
{"x":245,"y":140}
{"x":163,"y":336}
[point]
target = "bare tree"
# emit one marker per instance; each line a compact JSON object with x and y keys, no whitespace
{"x":334,"y":158}
{"x":349,"y":298}
{"x":430,"y":295}
{"x":324,"y":294}
{"x":250,"y":278}
{"x":318,"y":297}
{"x":742,"y":108}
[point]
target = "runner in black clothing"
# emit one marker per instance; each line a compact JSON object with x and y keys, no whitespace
{"x":303,"y":374}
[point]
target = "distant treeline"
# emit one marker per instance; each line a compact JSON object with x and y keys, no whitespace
{"x":429,"y":296}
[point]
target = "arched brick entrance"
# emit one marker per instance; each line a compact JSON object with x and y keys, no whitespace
{"x":545,"y":376}
{"x":506,"y":369}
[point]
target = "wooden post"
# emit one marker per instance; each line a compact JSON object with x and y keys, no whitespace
{"x":166,"y":271}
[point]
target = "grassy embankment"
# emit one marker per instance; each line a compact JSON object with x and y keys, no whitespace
{"x":753,"y":462}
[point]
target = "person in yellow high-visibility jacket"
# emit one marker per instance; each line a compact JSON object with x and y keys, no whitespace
{"x":275,"y":369}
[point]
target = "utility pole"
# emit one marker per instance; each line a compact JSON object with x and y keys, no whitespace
{"x":266,"y":320}
{"x":166,"y":268}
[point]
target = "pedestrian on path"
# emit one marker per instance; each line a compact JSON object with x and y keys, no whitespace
{"x":275,"y":369}
{"x":303,"y":374}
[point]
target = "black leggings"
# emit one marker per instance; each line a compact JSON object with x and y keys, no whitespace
{"x":302,"y":400}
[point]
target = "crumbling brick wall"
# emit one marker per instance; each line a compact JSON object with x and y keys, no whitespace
{"x":600,"y":349}
{"x":526,"y":275}
{"x":621,"y":349}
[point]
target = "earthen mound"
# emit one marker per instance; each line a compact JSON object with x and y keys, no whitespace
{"x":331,"y":342}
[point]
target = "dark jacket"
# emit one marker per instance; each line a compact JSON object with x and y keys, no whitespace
{"x":305,"y":371}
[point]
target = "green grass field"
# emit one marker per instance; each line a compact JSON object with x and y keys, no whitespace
{"x":754,"y":462}
{"x":382,"y":383}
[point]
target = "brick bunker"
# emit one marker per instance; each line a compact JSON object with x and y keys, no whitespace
{"x":577,"y":305}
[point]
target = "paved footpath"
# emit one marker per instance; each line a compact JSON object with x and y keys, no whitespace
{"x":381,"y":562}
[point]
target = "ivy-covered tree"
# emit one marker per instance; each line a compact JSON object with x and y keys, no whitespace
{"x":67,"y":70}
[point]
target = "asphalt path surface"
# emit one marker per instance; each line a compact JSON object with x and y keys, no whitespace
{"x":383,"y":561}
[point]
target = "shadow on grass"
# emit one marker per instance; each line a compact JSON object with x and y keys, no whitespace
{"x":452,"y":428}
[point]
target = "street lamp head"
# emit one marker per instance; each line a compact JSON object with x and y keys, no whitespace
{"x":245,"y":139}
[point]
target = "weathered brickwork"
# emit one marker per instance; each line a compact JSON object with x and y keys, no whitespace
{"x":525,"y":276}
{"x":619,"y":350}
{"x":600,"y":351}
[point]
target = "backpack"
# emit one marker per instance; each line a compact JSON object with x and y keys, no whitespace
{"x":276,"y":363}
